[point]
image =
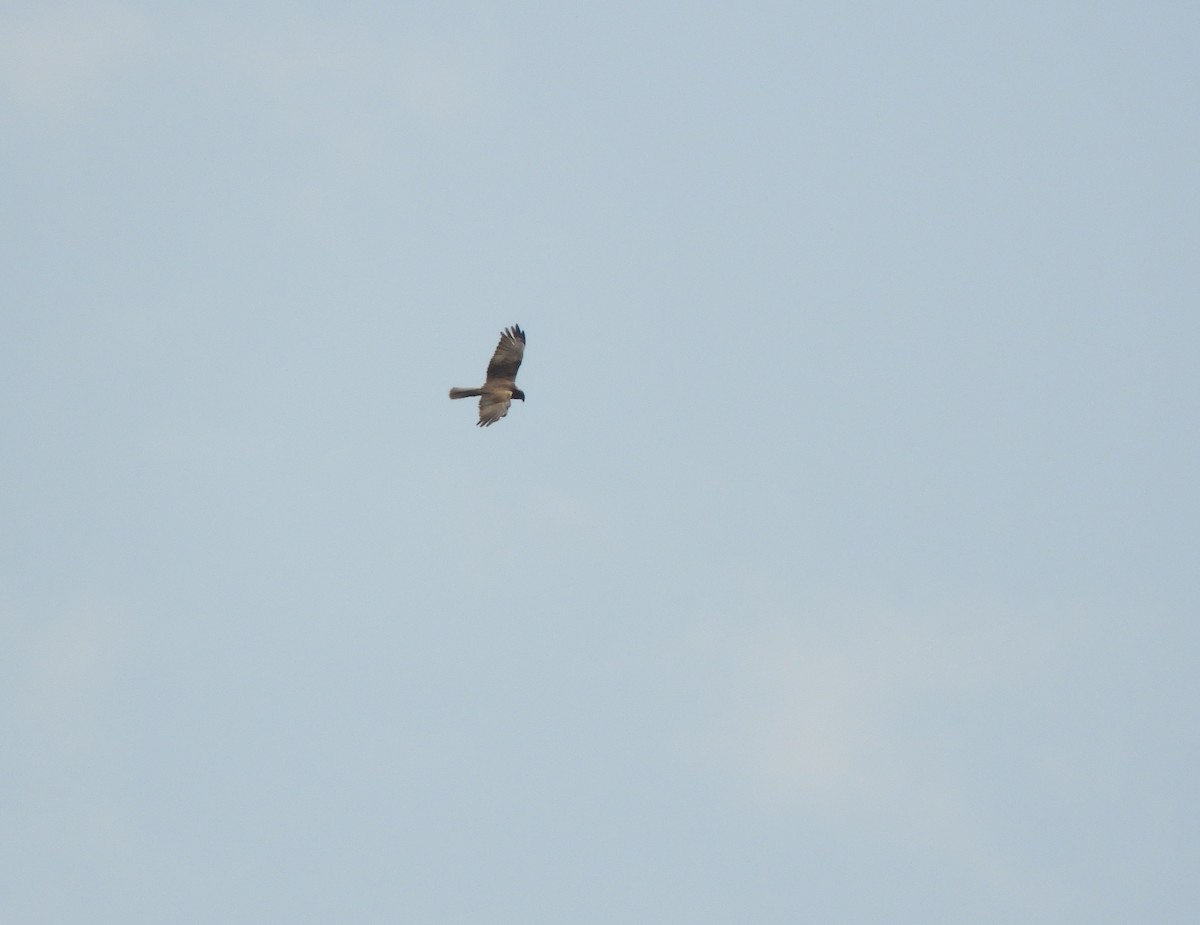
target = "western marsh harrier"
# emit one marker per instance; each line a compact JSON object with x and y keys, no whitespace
{"x":497,"y":393}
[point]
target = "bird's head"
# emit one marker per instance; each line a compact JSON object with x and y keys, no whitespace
{"x":517,"y":393}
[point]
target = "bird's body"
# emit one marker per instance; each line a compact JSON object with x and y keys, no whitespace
{"x":497,"y":393}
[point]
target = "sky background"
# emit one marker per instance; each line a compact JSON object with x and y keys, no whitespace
{"x":841,"y":565}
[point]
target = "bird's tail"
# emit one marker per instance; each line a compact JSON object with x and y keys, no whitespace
{"x":465,"y":393}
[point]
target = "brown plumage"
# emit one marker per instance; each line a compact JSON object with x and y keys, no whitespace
{"x":497,"y":393}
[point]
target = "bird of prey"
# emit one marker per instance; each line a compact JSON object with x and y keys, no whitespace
{"x":497,"y":393}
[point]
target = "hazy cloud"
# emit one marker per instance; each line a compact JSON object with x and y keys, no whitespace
{"x":311,"y":63}
{"x":830,"y":711}
{"x":63,"y":671}
{"x":53,"y":62}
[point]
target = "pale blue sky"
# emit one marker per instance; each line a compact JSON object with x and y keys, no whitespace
{"x":840,"y":567}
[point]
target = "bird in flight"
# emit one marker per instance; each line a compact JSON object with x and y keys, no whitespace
{"x":497,"y":393}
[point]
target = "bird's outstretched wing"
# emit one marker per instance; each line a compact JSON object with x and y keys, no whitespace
{"x":493,"y":405}
{"x":507,"y":358}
